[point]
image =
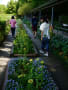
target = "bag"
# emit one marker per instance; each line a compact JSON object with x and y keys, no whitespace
{"x":51,"y":31}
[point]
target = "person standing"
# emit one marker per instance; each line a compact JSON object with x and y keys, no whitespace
{"x":13,"y":23}
{"x":45,"y":35}
{"x":34,"y":25}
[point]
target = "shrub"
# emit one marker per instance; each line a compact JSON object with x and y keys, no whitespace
{"x":24,"y":9}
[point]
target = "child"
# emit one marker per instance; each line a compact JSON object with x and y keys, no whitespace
{"x":45,"y":36}
{"x":34,"y":25}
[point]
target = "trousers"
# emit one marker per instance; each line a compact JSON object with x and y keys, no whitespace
{"x":45,"y":43}
{"x":13,"y":31}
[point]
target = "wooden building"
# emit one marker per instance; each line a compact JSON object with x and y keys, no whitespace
{"x":55,"y":9}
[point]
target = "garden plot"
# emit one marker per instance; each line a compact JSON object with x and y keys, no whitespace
{"x":59,"y":47}
{"x":29,"y":74}
{"x":22,"y":45}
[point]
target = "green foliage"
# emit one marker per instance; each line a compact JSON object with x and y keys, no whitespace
{"x":24,"y":9}
{"x":25,"y":6}
{"x":22,"y":43}
{"x":28,"y":23}
{"x":60,"y":45}
{"x":5,"y":17}
{"x":11,"y":7}
{"x":3,"y":9}
{"x":4,"y":28}
{"x":64,"y":19}
{"x":36,"y":3}
{"x":29,"y":74}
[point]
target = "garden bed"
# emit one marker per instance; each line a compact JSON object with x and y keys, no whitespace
{"x":59,"y":46}
{"x":35,"y":54}
{"x":29,"y":74}
{"x":23,"y":45}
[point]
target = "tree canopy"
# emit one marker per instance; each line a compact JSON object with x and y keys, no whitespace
{"x":22,"y":7}
{"x":25,"y":6}
{"x":11,"y":7}
{"x":2,"y":9}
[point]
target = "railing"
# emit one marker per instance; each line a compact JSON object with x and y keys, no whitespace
{"x":64,"y":29}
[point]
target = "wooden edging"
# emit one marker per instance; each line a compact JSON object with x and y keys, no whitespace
{"x":28,"y":55}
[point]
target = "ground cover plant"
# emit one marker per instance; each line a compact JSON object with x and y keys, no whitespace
{"x":29,"y":74}
{"x":22,"y":43}
{"x":27,"y":22}
{"x":59,"y":46}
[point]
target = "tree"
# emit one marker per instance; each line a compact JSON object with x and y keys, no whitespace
{"x":36,"y":3}
{"x":11,"y":7}
{"x":25,"y":6}
{"x":3,"y":9}
{"x":24,"y":9}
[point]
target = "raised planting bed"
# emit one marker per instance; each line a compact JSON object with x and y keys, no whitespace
{"x":29,"y":74}
{"x":23,"y":45}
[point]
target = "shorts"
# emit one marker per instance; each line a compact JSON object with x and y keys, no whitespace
{"x":34,"y":28}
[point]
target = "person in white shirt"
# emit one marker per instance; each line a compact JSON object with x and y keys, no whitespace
{"x":45,"y":36}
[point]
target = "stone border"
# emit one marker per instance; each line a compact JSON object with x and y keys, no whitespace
{"x":5,"y":79}
{"x":6,"y":72}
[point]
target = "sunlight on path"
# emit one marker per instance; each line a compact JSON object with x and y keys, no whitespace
{"x":5,"y":51}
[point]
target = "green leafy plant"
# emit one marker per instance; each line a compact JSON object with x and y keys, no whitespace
{"x":60,"y":45}
{"x":23,"y":43}
{"x":29,"y":74}
{"x":4,"y":28}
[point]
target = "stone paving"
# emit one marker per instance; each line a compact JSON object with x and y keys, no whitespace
{"x":5,"y":50}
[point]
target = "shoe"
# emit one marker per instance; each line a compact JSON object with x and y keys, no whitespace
{"x":34,"y":36}
{"x":46,"y":54}
{"x":44,"y":48}
{"x":41,"y":51}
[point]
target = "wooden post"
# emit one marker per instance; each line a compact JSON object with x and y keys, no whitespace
{"x":39,"y":16}
{"x":52,"y":16}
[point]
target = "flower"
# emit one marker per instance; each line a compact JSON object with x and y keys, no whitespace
{"x":21,"y":75}
{"x":42,"y":62}
{"x":37,"y":59}
{"x":31,"y":60}
{"x":30,"y":81}
{"x":24,"y":48}
{"x":27,"y":64}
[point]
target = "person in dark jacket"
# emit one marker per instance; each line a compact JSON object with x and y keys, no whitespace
{"x":34,"y":25}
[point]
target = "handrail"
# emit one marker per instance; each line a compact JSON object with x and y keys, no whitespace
{"x":64,"y":29}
